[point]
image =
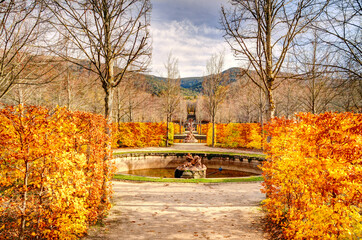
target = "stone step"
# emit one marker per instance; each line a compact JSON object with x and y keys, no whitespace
{"x":183,"y":136}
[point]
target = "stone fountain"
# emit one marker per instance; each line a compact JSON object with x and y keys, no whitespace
{"x":192,"y":168}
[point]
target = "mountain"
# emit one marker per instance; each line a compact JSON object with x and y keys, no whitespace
{"x":190,"y":86}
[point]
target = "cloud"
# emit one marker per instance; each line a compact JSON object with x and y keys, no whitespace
{"x":198,"y":12}
{"x":192,"y":45}
{"x":189,"y":29}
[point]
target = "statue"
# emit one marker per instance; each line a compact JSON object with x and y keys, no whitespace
{"x":192,"y":168}
{"x":190,"y":138}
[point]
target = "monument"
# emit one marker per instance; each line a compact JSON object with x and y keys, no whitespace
{"x":190,"y":138}
{"x":192,"y":168}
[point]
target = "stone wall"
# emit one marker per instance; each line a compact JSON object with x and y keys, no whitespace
{"x":133,"y":161}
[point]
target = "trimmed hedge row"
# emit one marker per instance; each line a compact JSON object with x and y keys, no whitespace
{"x":141,"y":134}
{"x":313,"y":178}
{"x":234,"y":135}
{"x":52,"y":172}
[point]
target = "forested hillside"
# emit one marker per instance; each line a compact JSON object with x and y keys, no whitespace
{"x":73,"y":86}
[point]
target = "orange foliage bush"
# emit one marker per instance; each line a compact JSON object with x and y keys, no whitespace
{"x":140,"y":134}
{"x":177,"y":128}
{"x":204,"y":129}
{"x":313,"y":178}
{"x":245,"y":135}
{"x":209,"y":134}
{"x":220,"y":133}
{"x":51,"y":172}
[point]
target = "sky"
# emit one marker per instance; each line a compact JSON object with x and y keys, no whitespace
{"x":189,"y":29}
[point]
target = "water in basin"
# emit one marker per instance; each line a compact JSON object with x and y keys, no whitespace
{"x":169,"y":173}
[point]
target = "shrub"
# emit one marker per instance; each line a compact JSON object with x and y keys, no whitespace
{"x":140,"y":134}
{"x":204,"y":129}
{"x":234,"y":135}
{"x":177,"y":128}
{"x":313,"y":178}
{"x":51,"y":172}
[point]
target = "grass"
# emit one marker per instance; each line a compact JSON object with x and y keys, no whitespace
{"x":200,"y":152}
{"x":181,"y":180}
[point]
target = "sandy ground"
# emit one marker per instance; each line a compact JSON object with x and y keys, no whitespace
{"x":183,"y":211}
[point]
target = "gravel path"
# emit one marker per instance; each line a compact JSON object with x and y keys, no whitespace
{"x":183,"y":211}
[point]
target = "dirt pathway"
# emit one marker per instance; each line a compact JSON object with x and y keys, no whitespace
{"x":183,"y":211}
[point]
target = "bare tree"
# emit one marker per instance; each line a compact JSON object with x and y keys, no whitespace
{"x":214,"y":88}
{"x":181,"y":113}
{"x":67,"y":77}
{"x":263,"y":31}
{"x":171,"y":91}
{"x":318,"y":86}
{"x":130,"y":97}
{"x":246,"y":103}
{"x":350,"y":97}
{"x":21,"y":61}
{"x":341,"y":31}
{"x":291,"y":93}
{"x":201,"y":114}
{"x":342,"y":28}
{"x":111,"y":35}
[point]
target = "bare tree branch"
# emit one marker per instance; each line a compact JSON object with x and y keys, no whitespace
{"x":215,"y":89}
{"x":264,"y":31}
{"x":171,"y":93}
{"x":21,"y":62}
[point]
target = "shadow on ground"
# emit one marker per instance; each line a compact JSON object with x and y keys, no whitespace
{"x":183,"y":211}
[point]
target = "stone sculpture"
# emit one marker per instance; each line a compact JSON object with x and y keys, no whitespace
{"x":190,"y":138}
{"x":192,"y":168}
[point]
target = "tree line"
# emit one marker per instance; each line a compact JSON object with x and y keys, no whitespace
{"x":87,"y":55}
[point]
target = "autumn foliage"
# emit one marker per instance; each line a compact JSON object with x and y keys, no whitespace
{"x":313,"y":178}
{"x":139,"y":134}
{"x":233,"y":135}
{"x":178,"y":129}
{"x":202,"y":128}
{"x":52,"y":172}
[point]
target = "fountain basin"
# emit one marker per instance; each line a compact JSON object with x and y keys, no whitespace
{"x":128,"y":162}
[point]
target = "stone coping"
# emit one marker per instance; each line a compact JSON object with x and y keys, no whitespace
{"x":183,"y":154}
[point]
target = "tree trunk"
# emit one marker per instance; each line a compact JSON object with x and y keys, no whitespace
{"x":108,"y":153}
{"x":270,"y":106}
{"x":69,"y":94}
{"x":20,"y":94}
{"x":313,"y":100}
{"x":108,"y":104}
{"x":41,"y":195}
{"x":213,"y":132}
{"x":130,"y":112}
{"x":25,"y":199}
{"x":167,"y":131}
{"x":269,"y":61}
{"x":118,"y":113}
{"x":261,"y":118}
{"x":68,"y":79}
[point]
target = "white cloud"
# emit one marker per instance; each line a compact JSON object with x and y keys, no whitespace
{"x":191,"y":44}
